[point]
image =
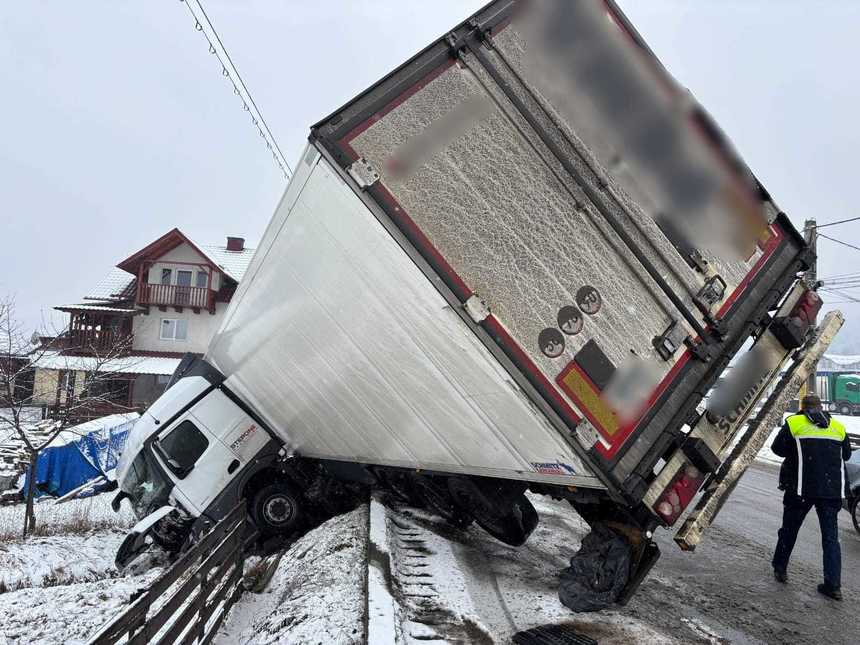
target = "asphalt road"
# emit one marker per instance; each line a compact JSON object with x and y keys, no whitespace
{"x":725,"y":591}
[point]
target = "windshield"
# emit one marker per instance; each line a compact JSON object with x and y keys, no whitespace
{"x":145,"y":486}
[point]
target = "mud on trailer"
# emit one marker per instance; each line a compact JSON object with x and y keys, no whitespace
{"x":489,"y":275}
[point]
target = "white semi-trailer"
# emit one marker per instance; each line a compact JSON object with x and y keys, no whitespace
{"x":516,"y":263}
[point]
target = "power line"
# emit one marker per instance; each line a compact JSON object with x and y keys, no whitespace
{"x":840,"y":276}
{"x":247,"y":100}
{"x":847,"y":296}
{"x":833,"y":239}
{"x":842,"y":221}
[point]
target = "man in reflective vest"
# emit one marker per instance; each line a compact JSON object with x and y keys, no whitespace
{"x":815,"y":448}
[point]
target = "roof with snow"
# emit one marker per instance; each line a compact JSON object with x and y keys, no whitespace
{"x":120,"y":283}
{"x":97,"y":305}
{"x":233,"y":263}
{"x":116,"y":285}
{"x":132,"y":364}
{"x":839,"y":363}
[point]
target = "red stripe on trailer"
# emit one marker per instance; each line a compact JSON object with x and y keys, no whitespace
{"x":769,"y":248}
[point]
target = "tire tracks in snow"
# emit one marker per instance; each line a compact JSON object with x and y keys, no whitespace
{"x":427,"y":586}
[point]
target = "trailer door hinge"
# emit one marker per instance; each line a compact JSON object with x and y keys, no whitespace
{"x":710,"y":294}
{"x":670,"y":340}
{"x":698,"y":349}
{"x":476,"y":308}
{"x":363,"y":173}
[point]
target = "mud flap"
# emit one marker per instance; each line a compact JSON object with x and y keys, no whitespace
{"x":599,"y":572}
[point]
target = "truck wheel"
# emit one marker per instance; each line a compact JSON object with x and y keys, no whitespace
{"x":276,"y":509}
{"x":403,"y":487}
{"x":515,"y":526}
{"x":845,"y":409}
{"x":440,"y":501}
{"x":855,"y":513}
{"x":598,"y":572}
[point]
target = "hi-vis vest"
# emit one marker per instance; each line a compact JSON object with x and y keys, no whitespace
{"x":820,"y":469}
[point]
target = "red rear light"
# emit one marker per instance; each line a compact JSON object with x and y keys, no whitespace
{"x":807,"y":307}
{"x":679,"y":493}
{"x":791,"y":330}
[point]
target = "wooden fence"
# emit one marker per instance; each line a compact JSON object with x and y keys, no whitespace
{"x":204,"y":582}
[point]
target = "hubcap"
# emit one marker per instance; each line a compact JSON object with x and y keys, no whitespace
{"x":278,"y":509}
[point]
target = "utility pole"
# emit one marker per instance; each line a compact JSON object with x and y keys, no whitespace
{"x":810,"y":232}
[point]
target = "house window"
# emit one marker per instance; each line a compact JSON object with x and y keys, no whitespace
{"x":183,"y":278}
{"x":174,"y":329}
{"x":202,"y":279}
{"x":166,"y":274}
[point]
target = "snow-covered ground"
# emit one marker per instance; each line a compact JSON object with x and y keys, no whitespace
{"x":317,"y":594}
{"x":75,"y":516}
{"x":66,"y":614}
{"x":59,"y":559}
{"x":60,"y":586}
{"x":426,"y":582}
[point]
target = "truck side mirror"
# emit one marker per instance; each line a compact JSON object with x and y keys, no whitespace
{"x":117,"y":500}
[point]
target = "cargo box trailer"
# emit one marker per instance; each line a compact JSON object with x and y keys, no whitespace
{"x":517,"y":262}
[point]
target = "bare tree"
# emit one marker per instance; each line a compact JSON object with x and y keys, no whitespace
{"x":20,"y":391}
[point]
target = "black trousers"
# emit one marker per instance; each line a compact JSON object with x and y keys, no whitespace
{"x":795,"y":509}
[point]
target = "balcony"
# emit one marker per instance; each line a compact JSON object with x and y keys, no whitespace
{"x":171,"y":295}
{"x":98,"y":341}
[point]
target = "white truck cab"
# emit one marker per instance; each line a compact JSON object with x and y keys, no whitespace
{"x":194,"y":450}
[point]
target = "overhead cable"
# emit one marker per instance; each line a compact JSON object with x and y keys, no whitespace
{"x":842,"y":221}
{"x":240,"y":89}
{"x":833,"y":239}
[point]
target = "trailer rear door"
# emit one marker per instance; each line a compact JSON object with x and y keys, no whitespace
{"x":539,"y":209}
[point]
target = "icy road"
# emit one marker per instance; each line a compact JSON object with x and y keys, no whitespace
{"x":428,"y":582}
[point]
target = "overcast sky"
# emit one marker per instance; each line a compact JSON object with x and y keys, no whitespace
{"x":117,"y":124}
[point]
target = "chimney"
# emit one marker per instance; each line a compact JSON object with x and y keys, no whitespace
{"x":235,"y":243}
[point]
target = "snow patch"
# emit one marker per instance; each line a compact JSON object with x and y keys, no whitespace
{"x":67,"y":615}
{"x":74,"y":516}
{"x":317,"y":594}
{"x":57,"y":560}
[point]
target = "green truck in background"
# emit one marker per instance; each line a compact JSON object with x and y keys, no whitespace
{"x":842,"y":391}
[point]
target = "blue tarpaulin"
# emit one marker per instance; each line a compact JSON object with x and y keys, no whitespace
{"x":81,"y":454}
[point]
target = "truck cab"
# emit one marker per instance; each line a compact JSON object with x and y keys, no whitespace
{"x":194,"y":450}
{"x":845,"y":397}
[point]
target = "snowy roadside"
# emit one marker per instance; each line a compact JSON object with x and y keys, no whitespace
{"x":317,"y":594}
{"x":412,"y":578}
{"x":66,"y":614}
{"x":60,"y":585}
{"x":75,"y":516}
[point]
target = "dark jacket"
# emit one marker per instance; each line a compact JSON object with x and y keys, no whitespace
{"x":816,"y":447}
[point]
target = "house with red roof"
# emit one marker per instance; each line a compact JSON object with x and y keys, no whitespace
{"x":153,"y":307}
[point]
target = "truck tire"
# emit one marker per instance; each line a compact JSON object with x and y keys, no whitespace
{"x":435,"y":493}
{"x":276,"y":509}
{"x":515,"y":526}
{"x":403,"y":488}
{"x":598,"y":572}
{"x":844,"y":408}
